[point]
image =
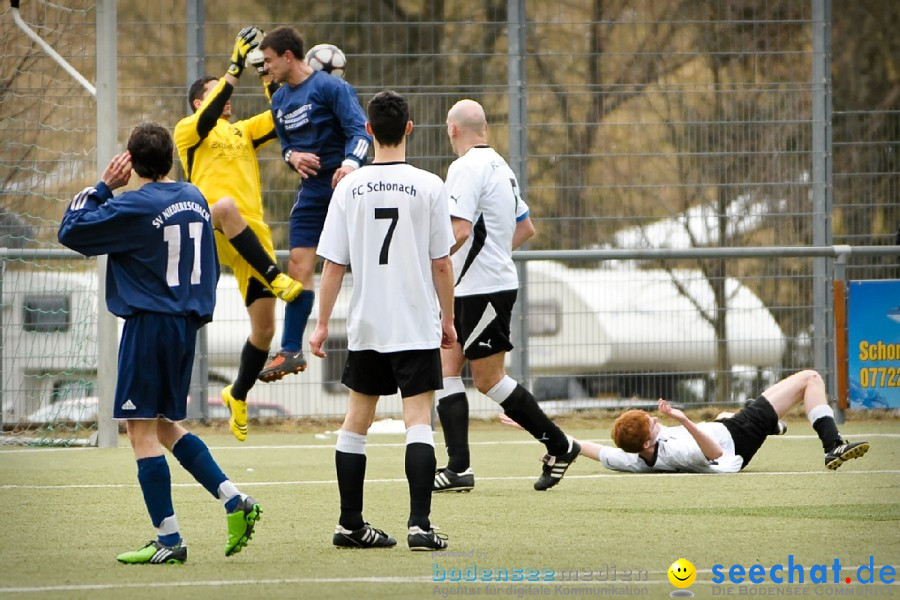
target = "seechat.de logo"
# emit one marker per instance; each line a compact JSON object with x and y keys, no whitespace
{"x":792,"y":572}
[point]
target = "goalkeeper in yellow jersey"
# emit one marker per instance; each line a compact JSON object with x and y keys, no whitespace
{"x":219,"y":157}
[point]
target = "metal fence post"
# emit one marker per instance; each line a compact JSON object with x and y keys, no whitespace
{"x":840,"y":274}
{"x":196,"y":67}
{"x":107,"y":129}
{"x":2,"y":370}
{"x":518,"y":160}
{"x":823,"y":306}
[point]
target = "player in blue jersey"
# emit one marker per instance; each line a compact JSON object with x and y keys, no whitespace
{"x":161,"y":278}
{"x":323,"y":136}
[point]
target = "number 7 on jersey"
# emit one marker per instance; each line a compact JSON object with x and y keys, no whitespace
{"x":394,"y":215}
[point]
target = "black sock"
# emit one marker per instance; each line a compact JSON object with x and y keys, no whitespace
{"x":248,"y":246}
{"x":252,"y":362}
{"x":420,"y":465}
{"x":453,"y":411}
{"x":522,"y":408}
{"x":828,"y":433}
{"x":351,"y":474}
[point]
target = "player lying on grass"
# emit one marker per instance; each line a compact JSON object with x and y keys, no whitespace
{"x":161,"y":280}
{"x":726,"y":445}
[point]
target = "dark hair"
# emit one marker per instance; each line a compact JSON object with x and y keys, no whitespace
{"x":195,"y":92}
{"x":151,"y":151}
{"x":282,"y":39}
{"x":388,"y":114}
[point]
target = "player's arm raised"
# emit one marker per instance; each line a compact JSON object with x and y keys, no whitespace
{"x":196,"y":127}
{"x":92,"y":225}
{"x":710,"y":447}
{"x":247,"y":39}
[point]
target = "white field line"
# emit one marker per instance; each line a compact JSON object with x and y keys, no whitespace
{"x":249,"y":484}
{"x":381,"y":580}
{"x":330,"y":446}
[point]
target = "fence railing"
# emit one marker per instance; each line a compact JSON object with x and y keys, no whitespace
{"x":593,"y":328}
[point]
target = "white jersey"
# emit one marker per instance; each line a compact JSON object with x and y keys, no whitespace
{"x":677,"y":450}
{"x":388,"y":222}
{"x":483,"y":190}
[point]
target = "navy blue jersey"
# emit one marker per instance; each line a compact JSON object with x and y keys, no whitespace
{"x":162,"y":254}
{"x":321,"y":115}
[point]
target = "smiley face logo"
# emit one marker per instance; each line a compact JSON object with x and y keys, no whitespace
{"x":682,"y":573}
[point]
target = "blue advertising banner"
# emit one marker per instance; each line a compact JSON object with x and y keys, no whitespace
{"x":873,"y":343}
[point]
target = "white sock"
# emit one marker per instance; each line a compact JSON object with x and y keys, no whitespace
{"x":227,"y":491}
{"x":420,"y":434}
{"x":502,"y":390}
{"x":168,"y":526}
{"x":819,"y":411}
{"x":452,"y":385}
{"x":351,"y":443}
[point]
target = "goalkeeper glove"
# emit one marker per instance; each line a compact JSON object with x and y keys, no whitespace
{"x":256,"y":60}
{"x":247,"y":39}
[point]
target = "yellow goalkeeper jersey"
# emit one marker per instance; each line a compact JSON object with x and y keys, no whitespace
{"x":219,"y":157}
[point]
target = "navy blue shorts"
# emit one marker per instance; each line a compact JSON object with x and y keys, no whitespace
{"x":380,"y":374}
{"x":310,"y":209}
{"x":155,"y":359}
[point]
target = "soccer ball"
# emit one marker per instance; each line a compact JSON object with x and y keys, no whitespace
{"x":328,"y":58}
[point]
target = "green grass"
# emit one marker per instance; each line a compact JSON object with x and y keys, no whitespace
{"x":76,"y":509}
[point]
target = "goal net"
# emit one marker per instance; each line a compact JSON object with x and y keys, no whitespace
{"x":48,"y":330}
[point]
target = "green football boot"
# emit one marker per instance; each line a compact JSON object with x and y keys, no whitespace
{"x":155,"y":553}
{"x":241,"y":523}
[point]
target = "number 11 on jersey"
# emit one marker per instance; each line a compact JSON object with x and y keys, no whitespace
{"x":172,"y":236}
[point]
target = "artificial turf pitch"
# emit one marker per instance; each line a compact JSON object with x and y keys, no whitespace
{"x":68,"y":512}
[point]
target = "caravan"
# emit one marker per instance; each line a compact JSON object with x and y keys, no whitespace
{"x":601,"y":333}
{"x":49,"y":339}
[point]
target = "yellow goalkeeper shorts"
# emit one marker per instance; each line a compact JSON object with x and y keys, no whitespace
{"x":229,"y":257}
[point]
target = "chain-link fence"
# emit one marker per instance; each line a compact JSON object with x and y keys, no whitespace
{"x":633,"y":124}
